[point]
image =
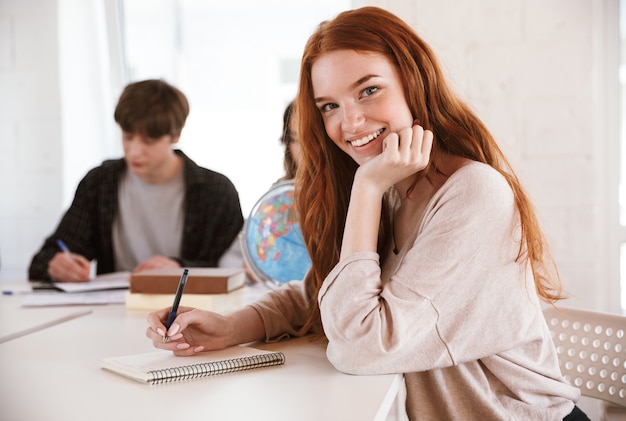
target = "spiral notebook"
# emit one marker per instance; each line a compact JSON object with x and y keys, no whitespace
{"x":163,"y":367}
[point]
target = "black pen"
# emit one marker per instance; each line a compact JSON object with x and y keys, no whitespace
{"x":174,"y":310}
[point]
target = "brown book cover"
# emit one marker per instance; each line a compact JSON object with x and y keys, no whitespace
{"x":199,"y":280}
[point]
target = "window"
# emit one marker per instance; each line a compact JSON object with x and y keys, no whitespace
{"x":238,"y":63}
{"x":622,"y":183}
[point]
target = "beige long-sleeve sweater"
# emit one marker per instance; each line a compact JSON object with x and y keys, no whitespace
{"x":453,"y":310}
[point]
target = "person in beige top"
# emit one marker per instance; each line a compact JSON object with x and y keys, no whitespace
{"x":427,"y":257}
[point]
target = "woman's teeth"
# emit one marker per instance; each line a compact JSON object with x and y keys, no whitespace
{"x":366,"y":139}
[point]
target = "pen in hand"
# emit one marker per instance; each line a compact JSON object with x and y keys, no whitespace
{"x":62,"y":246}
{"x":179,"y":293}
{"x":77,"y":271}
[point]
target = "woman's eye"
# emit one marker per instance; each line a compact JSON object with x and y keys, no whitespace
{"x":328,"y":107}
{"x":369,"y":91}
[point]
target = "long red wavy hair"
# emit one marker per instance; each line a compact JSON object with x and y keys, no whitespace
{"x":324,"y":178}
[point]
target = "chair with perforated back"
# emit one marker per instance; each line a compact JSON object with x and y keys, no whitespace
{"x":592,"y":351}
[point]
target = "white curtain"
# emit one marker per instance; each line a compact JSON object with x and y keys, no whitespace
{"x":91,"y":68}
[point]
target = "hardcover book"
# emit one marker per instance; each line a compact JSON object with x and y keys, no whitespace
{"x":199,"y":280}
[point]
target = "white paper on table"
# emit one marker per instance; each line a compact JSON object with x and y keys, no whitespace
{"x":43,"y":299}
{"x":109,"y":281}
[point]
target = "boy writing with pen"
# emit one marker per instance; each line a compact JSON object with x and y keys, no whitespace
{"x":154,"y":207}
{"x":76,"y":260}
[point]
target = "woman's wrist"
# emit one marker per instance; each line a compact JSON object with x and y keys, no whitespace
{"x":374,"y":187}
{"x":244,"y":326}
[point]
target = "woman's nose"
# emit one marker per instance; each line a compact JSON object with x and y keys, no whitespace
{"x":352,"y":118}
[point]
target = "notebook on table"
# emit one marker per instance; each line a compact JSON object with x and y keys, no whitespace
{"x":162,"y":366}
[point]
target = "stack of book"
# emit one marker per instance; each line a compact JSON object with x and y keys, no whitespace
{"x":216,"y":289}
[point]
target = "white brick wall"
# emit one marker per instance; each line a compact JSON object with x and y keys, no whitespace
{"x":532,"y":69}
{"x":529,"y":68}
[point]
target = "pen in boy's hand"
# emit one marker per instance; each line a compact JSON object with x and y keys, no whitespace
{"x":62,"y":246}
{"x":179,"y":293}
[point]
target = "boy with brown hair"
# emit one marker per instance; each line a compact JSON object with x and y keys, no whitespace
{"x":154,"y":207}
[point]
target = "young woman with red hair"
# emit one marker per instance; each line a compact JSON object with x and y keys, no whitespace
{"x":427,"y":257}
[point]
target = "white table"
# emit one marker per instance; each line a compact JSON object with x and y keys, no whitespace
{"x":54,"y":374}
{"x":16,"y":322}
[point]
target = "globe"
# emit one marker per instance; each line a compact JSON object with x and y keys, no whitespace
{"x":273,"y":247}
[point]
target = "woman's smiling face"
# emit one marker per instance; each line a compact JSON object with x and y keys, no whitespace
{"x":361,"y":100}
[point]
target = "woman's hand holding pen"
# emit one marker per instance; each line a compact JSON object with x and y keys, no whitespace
{"x":69,"y":267}
{"x":195,"y":330}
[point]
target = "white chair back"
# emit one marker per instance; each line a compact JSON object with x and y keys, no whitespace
{"x":592,"y":351}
